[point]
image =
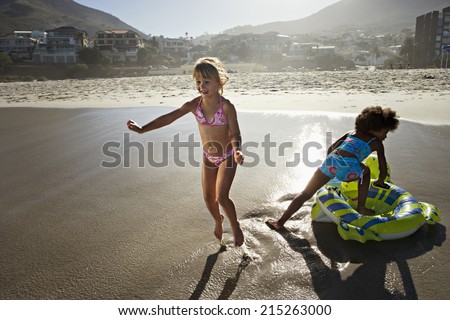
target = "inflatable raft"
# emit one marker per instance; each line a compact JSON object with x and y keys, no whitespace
{"x":398,"y":213}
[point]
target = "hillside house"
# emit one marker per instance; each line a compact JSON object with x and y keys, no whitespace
{"x":62,"y":46}
{"x":301,"y":49}
{"x":324,"y":50}
{"x":40,"y":36}
{"x":118,"y":45}
{"x":196,"y":52}
{"x":18,"y":47}
{"x":265,"y":45}
{"x":174,"y":46}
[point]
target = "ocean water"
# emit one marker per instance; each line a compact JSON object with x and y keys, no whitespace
{"x":88,"y":212}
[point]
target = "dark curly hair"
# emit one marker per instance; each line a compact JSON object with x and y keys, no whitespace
{"x":375,"y":118}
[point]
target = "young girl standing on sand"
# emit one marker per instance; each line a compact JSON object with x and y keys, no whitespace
{"x":344,"y":159}
{"x":221,"y":140}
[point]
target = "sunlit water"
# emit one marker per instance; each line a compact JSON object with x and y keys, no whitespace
{"x":295,"y":264}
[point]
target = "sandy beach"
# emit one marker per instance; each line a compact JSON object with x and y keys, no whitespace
{"x":417,"y":94}
{"x":90,"y":210}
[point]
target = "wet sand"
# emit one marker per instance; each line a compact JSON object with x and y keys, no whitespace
{"x":71,"y":228}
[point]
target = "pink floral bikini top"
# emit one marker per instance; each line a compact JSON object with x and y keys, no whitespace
{"x":219,"y":118}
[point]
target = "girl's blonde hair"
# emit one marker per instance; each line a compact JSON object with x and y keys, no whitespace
{"x":211,"y":68}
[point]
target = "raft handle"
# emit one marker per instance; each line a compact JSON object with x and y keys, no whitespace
{"x":383,"y":186}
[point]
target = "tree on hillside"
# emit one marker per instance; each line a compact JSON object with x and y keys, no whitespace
{"x":5,"y":61}
{"x":89,"y":56}
{"x":149,"y":54}
{"x":364,"y":45}
{"x":243,"y":51}
{"x":334,"y":62}
{"x":407,"y":51}
{"x":222,"y":49}
{"x":376,"y":51}
{"x":146,"y":56}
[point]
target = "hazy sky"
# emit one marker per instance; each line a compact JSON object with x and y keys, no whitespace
{"x":173,"y":18}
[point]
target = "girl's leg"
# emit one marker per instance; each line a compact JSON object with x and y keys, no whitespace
{"x":209,"y":178}
{"x":363,"y":190}
{"x":318,"y":180}
{"x":225,"y":176}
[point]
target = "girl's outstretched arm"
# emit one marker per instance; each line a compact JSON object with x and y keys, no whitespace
{"x":161,"y":121}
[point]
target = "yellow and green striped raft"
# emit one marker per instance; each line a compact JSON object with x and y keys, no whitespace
{"x":398,"y":213}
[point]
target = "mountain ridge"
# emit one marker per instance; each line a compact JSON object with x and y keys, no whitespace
{"x":49,"y":14}
{"x":345,"y":15}
{"x":381,"y":15}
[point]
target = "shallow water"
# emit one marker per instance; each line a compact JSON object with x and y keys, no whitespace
{"x":72,"y":229}
{"x":310,"y":260}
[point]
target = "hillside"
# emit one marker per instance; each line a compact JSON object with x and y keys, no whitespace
{"x":50,"y":14}
{"x":380,"y":15}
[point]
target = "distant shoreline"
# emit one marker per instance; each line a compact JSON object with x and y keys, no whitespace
{"x":23,"y":72}
{"x":26,"y":72}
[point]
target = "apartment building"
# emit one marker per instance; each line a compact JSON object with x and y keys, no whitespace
{"x":302,"y":49}
{"x":174,"y":46}
{"x":62,"y":46}
{"x":18,"y":47}
{"x":118,"y":45}
{"x":432,"y":35}
{"x":40,"y":36}
{"x":264,"y":45}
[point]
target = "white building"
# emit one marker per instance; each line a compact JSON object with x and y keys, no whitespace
{"x":119,"y":45}
{"x":301,"y":49}
{"x":170,"y":45}
{"x":324,"y":50}
{"x":19,"y":46}
{"x":62,"y":46}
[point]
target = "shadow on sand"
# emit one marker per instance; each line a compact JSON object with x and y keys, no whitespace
{"x":368,"y":281}
{"x":230,"y":284}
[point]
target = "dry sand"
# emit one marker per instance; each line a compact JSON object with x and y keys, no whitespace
{"x":411,"y":92}
{"x":72,"y":229}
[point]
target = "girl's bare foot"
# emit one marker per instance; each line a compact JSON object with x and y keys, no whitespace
{"x":238,"y":235}
{"x":274,"y":225}
{"x":365,"y":211}
{"x":218,"y":229}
